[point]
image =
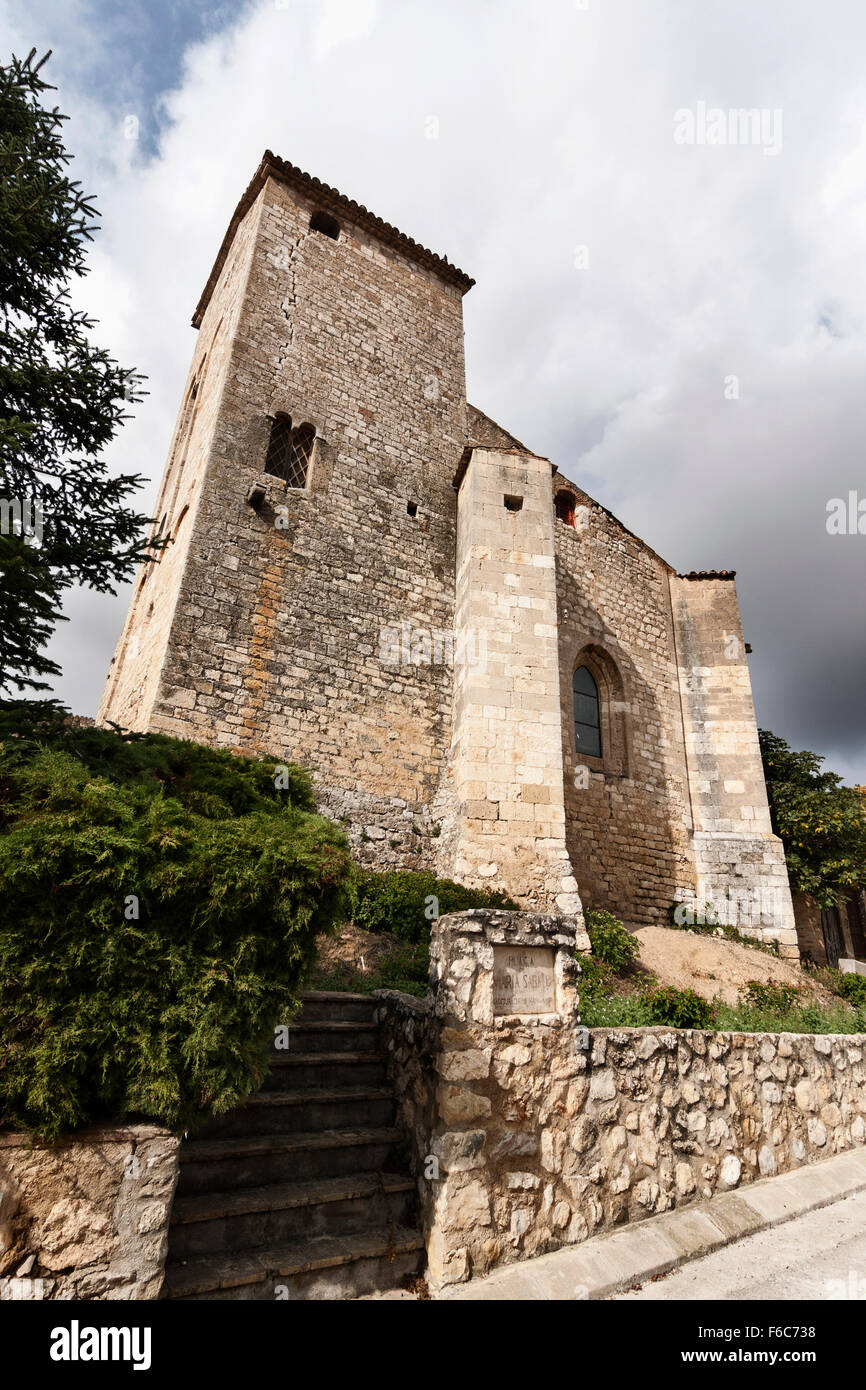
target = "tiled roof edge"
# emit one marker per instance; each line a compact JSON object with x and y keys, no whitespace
{"x":709,"y":574}
{"x":334,"y":201}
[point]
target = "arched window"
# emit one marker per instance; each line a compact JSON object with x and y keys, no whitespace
{"x":587,"y":715}
{"x":564,"y":502}
{"x":279,"y":446}
{"x":289,"y":451}
{"x":325,"y":223}
{"x":303,"y":438}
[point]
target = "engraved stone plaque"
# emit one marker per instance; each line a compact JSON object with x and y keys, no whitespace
{"x":523,"y":980}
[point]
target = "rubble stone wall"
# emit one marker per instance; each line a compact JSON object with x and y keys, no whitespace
{"x":86,"y":1218}
{"x":542,"y":1132}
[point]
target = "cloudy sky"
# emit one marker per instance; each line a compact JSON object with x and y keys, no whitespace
{"x":679,"y":322}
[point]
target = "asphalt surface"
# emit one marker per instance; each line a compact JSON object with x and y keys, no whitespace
{"x":821,"y":1255}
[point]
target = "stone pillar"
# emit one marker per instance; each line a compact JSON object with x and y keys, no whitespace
{"x":505,"y":991}
{"x":507,"y":743}
{"x":740,"y":863}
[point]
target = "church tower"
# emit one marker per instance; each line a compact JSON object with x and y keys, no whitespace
{"x":308,"y":496}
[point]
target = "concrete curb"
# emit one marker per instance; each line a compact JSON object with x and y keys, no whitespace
{"x":610,"y":1264}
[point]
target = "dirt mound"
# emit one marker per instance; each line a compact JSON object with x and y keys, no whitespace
{"x":353,"y":950}
{"x":717,"y":968}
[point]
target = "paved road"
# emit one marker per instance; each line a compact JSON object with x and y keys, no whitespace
{"x":818,"y":1256}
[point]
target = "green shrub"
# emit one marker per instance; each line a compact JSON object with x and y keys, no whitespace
{"x":158,"y":917}
{"x":596,"y":976}
{"x":405,"y":903}
{"x":853,"y":988}
{"x":769,"y":997}
{"x":211,"y":781}
{"x":406,"y":969}
{"x":679,"y":1008}
{"x":602,"y":1009}
{"x":806,"y":1018}
{"x":610,"y":941}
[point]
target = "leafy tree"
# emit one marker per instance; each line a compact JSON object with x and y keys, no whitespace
{"x":820,"y":821}
{"x":62,"y":399}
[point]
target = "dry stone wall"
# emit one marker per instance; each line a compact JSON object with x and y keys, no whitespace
{"x":532,"y":1132}
{"x":86,"y":1218}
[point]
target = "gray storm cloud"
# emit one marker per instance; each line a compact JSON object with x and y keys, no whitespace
{"x":680,"y":326}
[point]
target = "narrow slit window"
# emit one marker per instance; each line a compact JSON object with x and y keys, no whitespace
{"x":587,"y":714}
{"x":412,"y":508}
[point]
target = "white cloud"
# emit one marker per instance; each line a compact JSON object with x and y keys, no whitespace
{"x":343,"y":21}
{"x":555,"y":130}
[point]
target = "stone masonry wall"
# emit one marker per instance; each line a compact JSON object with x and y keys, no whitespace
{"x":546,"y":1132}
{"x":319,"y":627}
{"x":740,"y":863}
{"x":507,"y":752}
{"x":86,"y":1218}
{"x":628,"y":819}
{"x":135,"y":676}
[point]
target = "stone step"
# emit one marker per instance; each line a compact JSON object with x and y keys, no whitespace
{"x":287,"y":1112}
{"x":324,"y":1267}
{"x":291,"y":1071}
{"x":336,"y":1006}
{"x":216,"y":1165}
{"x":219,"y":1222}
{"x":303,"y":1190}
{"x":323,"y":1035}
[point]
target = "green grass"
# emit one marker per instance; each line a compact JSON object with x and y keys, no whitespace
{"x":601,"y":1007}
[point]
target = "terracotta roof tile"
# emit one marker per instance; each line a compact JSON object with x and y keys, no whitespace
{"x":709,"y":574}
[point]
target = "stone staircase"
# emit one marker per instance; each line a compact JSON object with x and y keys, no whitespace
{"x":302,"y":1192}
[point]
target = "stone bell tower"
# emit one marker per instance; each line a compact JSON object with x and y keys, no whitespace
{"x":308,"y":497}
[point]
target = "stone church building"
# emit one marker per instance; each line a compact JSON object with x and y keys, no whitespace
{"x":487,"y":673}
